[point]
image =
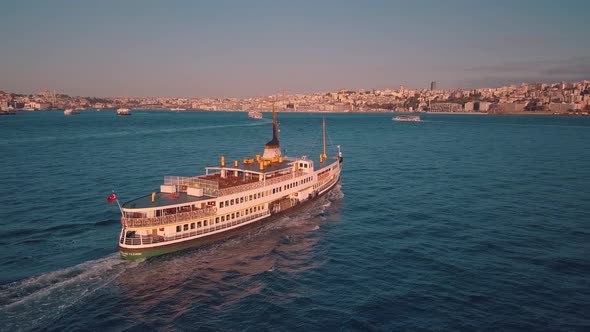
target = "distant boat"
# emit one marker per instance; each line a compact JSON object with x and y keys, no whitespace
{"x":407,"y":118}
{"x":178,"y":109}
{"x":123,"y":111}
{"x":254,"y":115}
{"x":71,"y":111}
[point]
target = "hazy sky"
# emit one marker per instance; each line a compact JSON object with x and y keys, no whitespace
{"x":254,"y":48}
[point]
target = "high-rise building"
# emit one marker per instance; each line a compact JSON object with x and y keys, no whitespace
{"x":432,"y":85}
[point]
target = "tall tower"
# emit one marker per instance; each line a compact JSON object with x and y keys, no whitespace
{"x":432,"y":85}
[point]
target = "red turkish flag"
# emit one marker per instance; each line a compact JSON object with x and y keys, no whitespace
{"x":111,"y":198}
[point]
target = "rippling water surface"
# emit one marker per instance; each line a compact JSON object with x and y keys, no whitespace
{"x":457,"y":222}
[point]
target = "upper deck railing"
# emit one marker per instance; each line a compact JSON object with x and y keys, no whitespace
{"x":169,"y":219}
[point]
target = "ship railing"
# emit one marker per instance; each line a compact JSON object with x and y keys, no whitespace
{"x":150,"y":239}
{"x":240,"y":188}
{"x":169,"y":219}
{"x":210,"y":187}
{"x":274,"y":180}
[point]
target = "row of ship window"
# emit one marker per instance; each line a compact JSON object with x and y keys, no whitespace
{"x":228,"y":217}
{"x":240,"y":200}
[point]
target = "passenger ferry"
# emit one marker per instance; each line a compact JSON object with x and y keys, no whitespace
{"x":123,"y":111}
{"x":407,"y":118}
{"x":71,"y":111}
{"x":225,"y":201}
{"x":255,"y":115}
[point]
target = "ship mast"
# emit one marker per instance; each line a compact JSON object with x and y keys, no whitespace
{"x":323,"y":156}
{"x":324,"y":134}
{"x":274,"y":123}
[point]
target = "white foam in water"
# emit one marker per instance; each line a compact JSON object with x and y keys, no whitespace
{"x":35,"y":301}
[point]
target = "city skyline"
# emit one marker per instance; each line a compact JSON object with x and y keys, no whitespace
{"x":233,"y":49}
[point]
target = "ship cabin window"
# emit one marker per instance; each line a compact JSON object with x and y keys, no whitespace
{"x":258,"y":195}
{"x":222,"y":219}
{"x":227,"y":217}
{"x":241,"y":199}
{"x":250,"y":197}
{"x":216,"y":220}
{"x":205,"y":223}
{"x":246,"y":211}
{"x":226,"y":203}
{"x":232,"y":215}
{"x":178,"y":228}
{"x":198,"y":224}
{"x":220,"y":205}
{"x":250,"y":210}
{"x":193,"y":225}
{"x":231,"y":202}
{"x":186,"y":227}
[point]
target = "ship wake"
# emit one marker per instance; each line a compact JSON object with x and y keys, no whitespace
{"x":39,"y":300}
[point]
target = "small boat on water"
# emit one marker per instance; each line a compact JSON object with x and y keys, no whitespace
{"x":225,"y":201}
{"x":407,"y":118}
{"x":255,"y":115}
{"x":123,"y":112}
{"x":71,"y":111}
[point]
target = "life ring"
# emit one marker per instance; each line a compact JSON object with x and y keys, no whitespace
{"x":295,"y":194}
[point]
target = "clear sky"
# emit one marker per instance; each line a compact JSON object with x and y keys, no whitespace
{"x":254,"y":48}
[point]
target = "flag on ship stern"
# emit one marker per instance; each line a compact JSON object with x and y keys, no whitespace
{"x":111,"y":198}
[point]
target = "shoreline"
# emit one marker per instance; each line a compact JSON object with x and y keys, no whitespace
{"x":319,"y":112}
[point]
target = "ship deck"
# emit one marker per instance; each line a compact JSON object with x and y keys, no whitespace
{"x":230,"y":180}
{"x":255,"y":168}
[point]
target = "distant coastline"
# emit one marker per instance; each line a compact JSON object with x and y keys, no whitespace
{"x":562,"y":98}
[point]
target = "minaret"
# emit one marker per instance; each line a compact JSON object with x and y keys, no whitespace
{"x":272,"y":148}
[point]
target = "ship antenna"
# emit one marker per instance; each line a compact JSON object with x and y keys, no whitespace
{"x":324,"y":136}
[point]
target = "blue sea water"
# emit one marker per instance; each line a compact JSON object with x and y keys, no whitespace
{"x":460,"y":222}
